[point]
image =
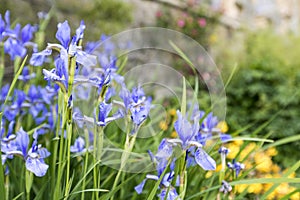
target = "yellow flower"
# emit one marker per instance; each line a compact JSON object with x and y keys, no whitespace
{"x":282,"y":190}
{"x":234,"y":150}
{"x":163,"y":125}
{"x":219,"y":167}
{"x":222,"y":125}
{"x":247,"y":150}
{"x":255,"y":188}
{"x":174,"y":134}
{"x":238,"y":142}
{"x":208,"y":174}
{"x":295,"y":196}
{"x":264,"y":163}
{"x":271,"y":152}
{"x":275,"y":168}
{"x":241,"y":188}
{"x":213,"y":38}
{"x":172,"y":112}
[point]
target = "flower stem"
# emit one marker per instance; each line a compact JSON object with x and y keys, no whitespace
{"x":68,"y":117}
{"x":129,"y":144}
{"x":1,"y":63}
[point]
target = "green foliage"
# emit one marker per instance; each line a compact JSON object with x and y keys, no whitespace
{"x":108,"y":16}
{"x":267,"y":83}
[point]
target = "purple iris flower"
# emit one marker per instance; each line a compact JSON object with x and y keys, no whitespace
{"x":136,"y":103}
{"x":78,"y":146}
{"x":236,"y":166}
{"x":26,"y":75}
{"x":68,"y":47}
{"x":160,"y":159}
{"x":34,"y":156}
{"x":187,"y":132}
{"x":18,"y":39}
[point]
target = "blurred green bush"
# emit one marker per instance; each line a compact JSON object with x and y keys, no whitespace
{"x":268,"y":82}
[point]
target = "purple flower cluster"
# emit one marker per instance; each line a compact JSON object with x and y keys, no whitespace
{"x":18,"y":145}
{"x":192,"y":137}
{"x":17,"y":39}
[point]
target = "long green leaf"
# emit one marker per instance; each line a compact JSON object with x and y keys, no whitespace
{"x":18,"y":196}
{"x":183,"y":99}
{"x":183,"y":56}
{"x":283,"y":141}
{"x":89,"y":190}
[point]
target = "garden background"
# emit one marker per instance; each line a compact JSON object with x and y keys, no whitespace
{"x":254,"y":45}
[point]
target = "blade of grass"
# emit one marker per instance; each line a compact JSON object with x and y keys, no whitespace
{"x":231,"y":75}
{"x":183,"y":56}
{"x":183,"y":100}
{"x":283,"y":141}
{"x":18,"y":196}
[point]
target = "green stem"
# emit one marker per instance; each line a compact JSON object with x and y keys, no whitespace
{"x":60,"y":129}
{"x":1,"y":63}
{"x":85,"y":164}
{"x":72,"y":65}
{"x":183,"y":176}
{"x":129,"y":144}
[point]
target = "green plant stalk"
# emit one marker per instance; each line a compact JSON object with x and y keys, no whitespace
{"x":1,"y":63}
{"x":68,"y":117}
{"x":128,"y":146}
{"x":61,"y":111}
{"x":28,"y":183}
{"x":16,"y":64}
{"x":85,"y":166}
{"x":98,"y":145}
{"x":182,"y":176}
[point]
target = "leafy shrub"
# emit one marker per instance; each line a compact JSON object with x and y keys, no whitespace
{"x":266,"y":84}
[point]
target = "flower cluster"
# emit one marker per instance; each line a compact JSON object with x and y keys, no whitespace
{"x":264,"y":167}
{"x":191,"y":139}
{"x":17,"y":39}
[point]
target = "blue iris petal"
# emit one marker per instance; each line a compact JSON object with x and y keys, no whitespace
{"x":204,"y":160}
{"x":36,"y":166}
{"x":63,"y":34}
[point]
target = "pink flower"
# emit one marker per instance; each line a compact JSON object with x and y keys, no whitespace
{"x":180,"y":23}
{"x":158,"y":14}
{"x":202,"y":22}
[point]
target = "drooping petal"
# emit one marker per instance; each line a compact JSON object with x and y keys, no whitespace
{"x":204,"y":160}
{"x":36,"y":166}
{"x":139,"y":188}
{"x":37,"y":59}
{"x":85,"y":59}
{"x":43,"y":152}
{"x":63,"y":34}
{"x":78,"y":146}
